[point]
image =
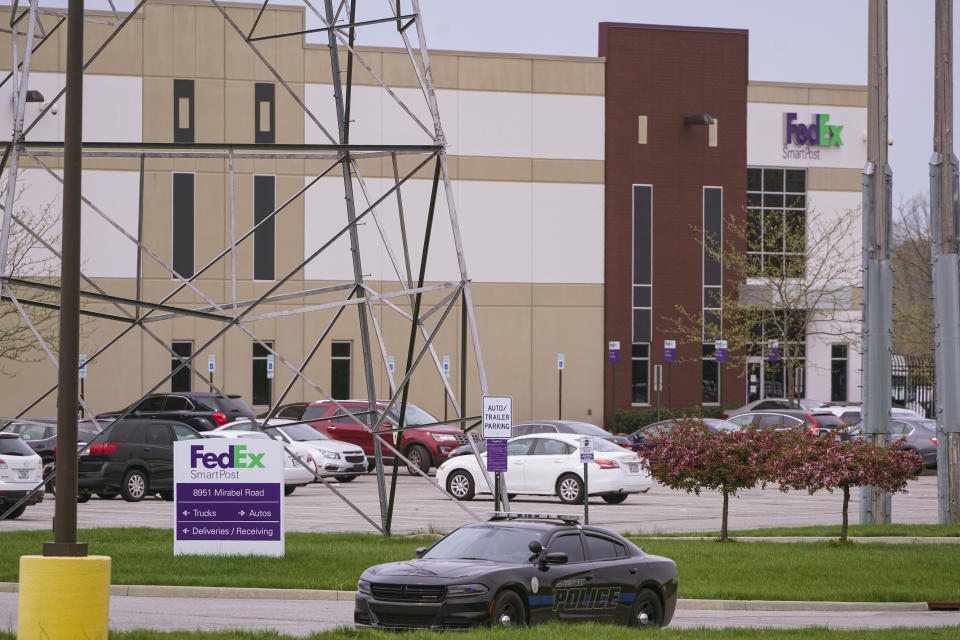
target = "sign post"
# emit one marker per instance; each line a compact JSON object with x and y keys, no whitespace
{"x":561,"y":362}
{"x":586,"y":457}
{"x":391,"y":364}
{"x":83,"y":378}
{"x":446,"y":375}
{"x":270,"y":367}
{"x":228,"y":494}
{"x":658,"y":385}
{"x":720,"y":354}
{"x":497,"y":420}
{"x":613,"y":355}
{"x":211,"y":367}
{"x":670,"y":356}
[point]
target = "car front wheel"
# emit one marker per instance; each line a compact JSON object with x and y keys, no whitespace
{"x":570,"y":489}
{"x":16,"y":513}
{"x":614,"y":498}
{"x":647,"y":610}
{"x":134,"y":487}
{"x":460,"y":485}
{"x":419,"y":458}
{"x":508,"y":611}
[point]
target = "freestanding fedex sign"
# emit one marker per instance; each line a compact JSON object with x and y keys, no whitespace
{"x":229,"y":497}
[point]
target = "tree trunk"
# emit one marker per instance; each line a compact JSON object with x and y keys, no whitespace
{"x":723,"y":522}
{"x":846,"y":503}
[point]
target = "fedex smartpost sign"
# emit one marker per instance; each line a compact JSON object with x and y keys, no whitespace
{"x":803,"y":140}
{"x":228,"y":494}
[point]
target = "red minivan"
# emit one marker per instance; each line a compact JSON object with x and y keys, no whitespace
{"x":423,"y":446}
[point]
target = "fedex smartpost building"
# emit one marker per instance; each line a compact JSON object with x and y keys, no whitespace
{"x":593,"y":178}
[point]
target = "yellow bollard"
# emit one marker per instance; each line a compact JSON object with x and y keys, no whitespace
{"x":63,"y":598}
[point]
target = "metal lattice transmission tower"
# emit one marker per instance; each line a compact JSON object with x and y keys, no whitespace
{"x":366,"y":211}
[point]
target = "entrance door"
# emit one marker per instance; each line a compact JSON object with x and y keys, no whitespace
{"x":765,"y":379}
{"x":754,"y":378}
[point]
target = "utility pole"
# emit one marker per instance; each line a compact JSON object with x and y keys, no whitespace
{"x":946,"y":278}
{"x":877,"y":275}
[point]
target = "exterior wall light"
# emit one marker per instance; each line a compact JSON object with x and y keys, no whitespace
{"x":698,"y":118}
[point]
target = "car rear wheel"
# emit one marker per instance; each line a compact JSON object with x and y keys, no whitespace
{"x":344,"y":478}
{"x":508,"y":611}
{"x":419,"y":458}
{"x":16,"y":513}
{"x":570,"y":489}
{"x":460,"y":485}
{"x":614,"y":498}
{"x":288,"y":489}
{"x":107,"y":495}
{"x":647,"y":610}
{"x":134,"y":487}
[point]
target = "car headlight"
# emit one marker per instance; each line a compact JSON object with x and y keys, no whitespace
{"x":465,"y":590}
{"x":363,"y":586}
{"x":330,"y":454}
{"x":444,"y":437}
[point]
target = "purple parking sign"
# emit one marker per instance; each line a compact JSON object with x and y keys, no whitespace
{"x":613,"y":351}
{"x":496,"y":455}
{"x":773,"y":351}
{"x":669,"y":350}
{"x":720,"y":350}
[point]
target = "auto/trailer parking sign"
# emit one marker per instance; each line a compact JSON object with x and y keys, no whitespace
{"x":497,"y":416}
{"x":229,"y":497}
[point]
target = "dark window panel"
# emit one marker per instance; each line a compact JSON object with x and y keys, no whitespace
{"x":712,"y":235}
{"x":641,"y":296}
{"x":796,"y":202}
{"x":754,"y":229}
{"x":838,"y":380}
{"x":264,"y":113}
{"x":641,"y":325}
{"x":838,"y":351}
{"x":262,"y":386}
{"x":264,"y":238}
{"x":340,"y":349}
{"x":183,"y":129}
{"x":640,"y":350}
{"x":773,"y":230}
{"x":181,"y":380}
{"x":340,"y":379}
{"x":710,"y":381}
{"x":642,"y":248}
{"x":712,"y":297}
{"x":796,"y":181}
{"x":711,"y":325}
{"x":754,"y":179}
{"x":754,"y":200}
{"x":753,"y":265}
{"x":183,"y":224}
{"x":640,"y":383}
{"x":773,"y":179}
{"x":773,"y":200}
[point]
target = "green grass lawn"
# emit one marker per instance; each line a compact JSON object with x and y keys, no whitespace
{"x":832,"y":531}
{"x":562,"y":632}
{"x":754,"y":571}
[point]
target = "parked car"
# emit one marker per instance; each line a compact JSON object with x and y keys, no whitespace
{"x":767,"y":404}
{"x":342,"y":460}
{"x":549,"y":464}
{"x":293,"y":411}
{"x":640,"y":439}
{"x":919,"y":434}
{"x":424,"y":445}
{"x":20,"y":472}
{"x":850,"y":414}
{"x":40,"y":435}
{"x":133,"y":458}
{"x":551,"y":426}
{"x":294,"y":474}
{"x":202,"y":411}
{"x":806,"y":422}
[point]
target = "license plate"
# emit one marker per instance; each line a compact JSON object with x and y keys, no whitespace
{"x":633,"y":467}
{"x":24,"y":473}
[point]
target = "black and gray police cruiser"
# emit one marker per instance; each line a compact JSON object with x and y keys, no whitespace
{"x":519,"y":569}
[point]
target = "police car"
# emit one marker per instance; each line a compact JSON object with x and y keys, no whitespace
{"x":519,"y":569}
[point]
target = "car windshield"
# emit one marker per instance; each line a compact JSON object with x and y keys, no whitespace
{"x":584,"y":428}
{"x":301,"y":432}
{"x":414,"y":417}
{"x":497,"y":544}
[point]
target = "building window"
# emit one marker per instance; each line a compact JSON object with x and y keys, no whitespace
{"x":183,"y":111}
{"x":181,"y":380}
{"x":712,"y":263}
{"x":183,"y":223}
{"x":340,"y":369}
{"x":776,"y":222}
{"x":838,"y":373}
{"x":262,"y":385}
{"x":640,"y":391}
{"x":264,"y":238}
{"x":264,"y":115}
{"x":711,"y":376}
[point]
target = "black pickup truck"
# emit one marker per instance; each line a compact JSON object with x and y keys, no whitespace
{"x":202,"y":411}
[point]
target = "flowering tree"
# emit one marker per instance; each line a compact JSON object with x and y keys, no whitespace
{"x":691,"y":457}
{"x":811,"y":464}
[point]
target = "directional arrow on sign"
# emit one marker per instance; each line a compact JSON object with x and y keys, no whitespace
{"x":185,"y":530}
{"x":185,"y":512}
{"x":242,"y":512}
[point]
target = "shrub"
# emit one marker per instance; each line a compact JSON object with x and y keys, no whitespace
{"x":629,"y":420}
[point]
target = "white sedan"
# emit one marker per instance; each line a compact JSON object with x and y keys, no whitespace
{"x":549,"y":464}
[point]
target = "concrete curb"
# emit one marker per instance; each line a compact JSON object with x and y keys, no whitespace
{"x":857,"y":539}
{"x":165,"y":591}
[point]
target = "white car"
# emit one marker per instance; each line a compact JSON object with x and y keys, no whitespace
{"x":549,"y":464}
{"x":20,"y":472}
{"x":851,"y":414}
{"x":342,"y":460}
{"x":294,"y":474}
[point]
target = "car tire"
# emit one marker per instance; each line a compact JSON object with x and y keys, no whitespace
{"x":508,"y":610}
{"x":166,"y":495}
{"x":511,"y":496}
{"x":614,"y":498}
{"x":107,"y":495}
{"x":83,"y":497}
{"x":344,"y":478}
{"x":570,"y":489}
{"x":419,"y":457}
{"x":288,"y":489}
{"x":460,"y":485}
{"x":135,"y":485}
{"x":16,"y":513}
{"x":647,"y":610}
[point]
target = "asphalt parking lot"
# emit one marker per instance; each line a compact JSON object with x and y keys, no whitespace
{"x":422,"y":507}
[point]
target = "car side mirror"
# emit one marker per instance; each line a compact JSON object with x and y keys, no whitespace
{"x":555,"y":557}
{"x":535,"y":546}
{"x":420,"y":551}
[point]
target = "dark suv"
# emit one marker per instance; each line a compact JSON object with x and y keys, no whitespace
{"x":133,"y":458}
{"x":424,"y":446}
{"x":202,"y":411}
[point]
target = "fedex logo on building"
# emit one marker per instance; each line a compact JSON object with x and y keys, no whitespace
{"x":819,"y":133}
{"x":236,"y":458}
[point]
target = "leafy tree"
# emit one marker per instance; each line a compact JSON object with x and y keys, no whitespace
{"x":795,"y":275}
{"x":693,"y":458}
{"x":812,"y":464}
{"x":912,"y":278}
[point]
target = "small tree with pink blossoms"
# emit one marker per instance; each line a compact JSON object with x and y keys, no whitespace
{"x":811,"y":464}
{"x":691,"y":457}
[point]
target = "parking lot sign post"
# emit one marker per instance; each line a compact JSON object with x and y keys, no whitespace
{"x":270,"y":367}
{"x":658,"y":384}
{"x":613,"y":355}
{"x":211,"y":367}
{"x":497,"y":421}
{"x":443,"y":387}
{"x":586,"y":457}
{"x":561,"y":362}
{"x":83,"y":378}
{"x":669,"y":356}
{"x":720,"y":354}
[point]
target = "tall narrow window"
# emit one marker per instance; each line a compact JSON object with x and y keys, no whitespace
{"x":264,"y":238}
{"x":264,"y":114}
{"x":776,"y":222}
{"x":262,"y":385}
{"x":181,"y":380}
{"x":838,"y":372}
{"x":710,"y":377}
{"x":183,"y":223}
{"x":642,"y":293}
{"x":183,"y":111}
{"x":340,"y":369}
{"x":712,"y":262}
